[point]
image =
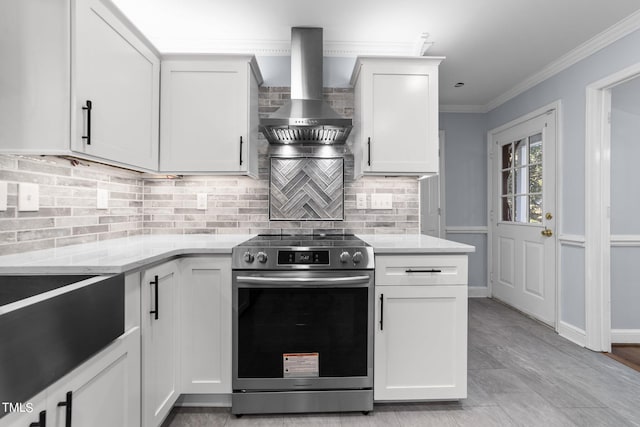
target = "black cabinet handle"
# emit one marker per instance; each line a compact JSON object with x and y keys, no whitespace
{"x":431,"y":270}
{"x":88,"y":107}
{"x":381,"y":312}
{"x":240,"y":151}
{"x":42,"y":420}
{"x":369,"y":151}
{"x":67,"y":404}
{"x":156,"y":311}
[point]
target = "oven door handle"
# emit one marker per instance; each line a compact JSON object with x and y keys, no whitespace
{"x":349,"y":280}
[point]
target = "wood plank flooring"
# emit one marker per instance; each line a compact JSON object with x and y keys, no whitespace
{"x":629,"y":354}
{"x":521,"y":373}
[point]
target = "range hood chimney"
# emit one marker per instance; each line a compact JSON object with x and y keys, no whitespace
{"x":306,"y":118}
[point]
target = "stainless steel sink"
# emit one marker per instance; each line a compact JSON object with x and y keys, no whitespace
{"x":50,"y":324}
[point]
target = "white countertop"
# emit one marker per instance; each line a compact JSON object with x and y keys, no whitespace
{"x":117,"y":255}
{"x":132,"y":253}
{"x":413,"y":244}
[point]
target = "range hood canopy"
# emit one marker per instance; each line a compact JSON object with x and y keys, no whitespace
{"x":306,"y":118}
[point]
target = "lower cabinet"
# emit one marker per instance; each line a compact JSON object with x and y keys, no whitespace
{"x":160,"y":326}
{"x":102,"y":392}
{"x":206,"y":324}
{"x":420,"y":350}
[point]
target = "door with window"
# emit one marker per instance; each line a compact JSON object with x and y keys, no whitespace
{"x":523,"y":198}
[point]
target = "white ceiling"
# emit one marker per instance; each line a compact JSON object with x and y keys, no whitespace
{"x":490,"y":45}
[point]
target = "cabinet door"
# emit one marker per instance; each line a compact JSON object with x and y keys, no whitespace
{"x":420,"y":343}
{"x":160,"y":342}
{"x":400,"y":118}
{"x":206,"y":324}
{"x":103,"y":392}
{"x":204,"y":116}
{"x":119,"y":74}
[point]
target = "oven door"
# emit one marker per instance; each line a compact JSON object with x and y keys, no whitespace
{"x":302,"y":330}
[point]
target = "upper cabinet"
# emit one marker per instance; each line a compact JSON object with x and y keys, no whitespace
{"x":116,"y":77}
{"x":209,"y":114}
{"x":78,"y":79}
{"x":396,"y":115}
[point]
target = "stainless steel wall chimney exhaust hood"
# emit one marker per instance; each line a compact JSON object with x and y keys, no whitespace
{"x":306,"y":118}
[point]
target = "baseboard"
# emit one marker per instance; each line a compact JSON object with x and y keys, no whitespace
{"x":204,"y":400}
{"x":478,"y":291}
{"x":572,"y":333}
{"x":625,"y":336}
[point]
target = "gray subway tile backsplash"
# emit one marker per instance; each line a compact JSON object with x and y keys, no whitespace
{"x":139,"y":204}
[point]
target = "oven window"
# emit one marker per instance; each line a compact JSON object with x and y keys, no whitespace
{"x":331,"y":322}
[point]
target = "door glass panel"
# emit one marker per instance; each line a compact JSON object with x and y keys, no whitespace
{"x":521,"y":186}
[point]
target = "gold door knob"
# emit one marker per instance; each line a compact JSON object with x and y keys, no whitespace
{"x":548,"y":215}
{"x":547,"y":232}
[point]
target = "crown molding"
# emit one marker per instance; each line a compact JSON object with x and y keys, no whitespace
{"x":282,"y":47}
{"x":463,"y":109}
{"x":617,"y":31}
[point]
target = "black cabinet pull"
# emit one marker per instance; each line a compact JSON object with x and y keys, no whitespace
{"x":369,"y":151}
{"x":381,"y":312}
{"x":156,"y":311}
{"x":42,"y":420}
{"x":240,"y":151}
{"x":88,"y":107}
{"x":67,"y":404}
{"x":431,"y":270}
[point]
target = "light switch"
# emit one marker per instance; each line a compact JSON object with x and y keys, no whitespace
{"x":4,"y":194}
{"x":361,"y":201}
{"x":28,"y":197}
{"x":202,"y":201}
{"x":102,"y":201}
{"x":382,"y":201}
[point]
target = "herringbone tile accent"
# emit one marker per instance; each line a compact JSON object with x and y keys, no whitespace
{"x":307,"y":188}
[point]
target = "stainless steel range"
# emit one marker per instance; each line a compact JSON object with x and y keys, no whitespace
{"x":302,"y":324}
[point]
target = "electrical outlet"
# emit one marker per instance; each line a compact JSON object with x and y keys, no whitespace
{"x":102,"y":201}
{"x":202,"y":201}
{"x":28,"y":197}
{"x":4,"y":194}
{"x":382,"y":201}
{"x":361,"y":201}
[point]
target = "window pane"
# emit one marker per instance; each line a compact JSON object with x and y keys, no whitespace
{"x":507,"y":208}
{"x":521,"y":152}
{"x":521,"y":209}
{"x":521,"y":184}
{"x":535,"y":179}
{"x":507,"y":182}
{"x":535,"y":208}
{"x":535,"y":148}
{"x":507,"y":156}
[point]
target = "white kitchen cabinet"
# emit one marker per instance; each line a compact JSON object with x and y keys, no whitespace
{"x":395,"y":115}
{"x":59,"y":54}
{"x":206,"y":324}
{"x":421,"y":329}
{"x":103,"y":391}
{"x":160,"y":329}
{"x":209,"y":114}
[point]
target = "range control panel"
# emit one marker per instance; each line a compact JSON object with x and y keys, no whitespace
{"x":349,"y":258}
{"x":303,"y":257}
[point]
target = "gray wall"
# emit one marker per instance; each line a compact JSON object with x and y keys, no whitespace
{"x":465,"y":174}
{"x":625,"y":204}
{"x":569,"y":86}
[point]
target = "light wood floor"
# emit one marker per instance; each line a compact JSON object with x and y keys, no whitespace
{"x":521,"y":373}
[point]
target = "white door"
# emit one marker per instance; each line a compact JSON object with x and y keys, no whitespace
{"x":523,"y":271}
{"x":430,"y":206}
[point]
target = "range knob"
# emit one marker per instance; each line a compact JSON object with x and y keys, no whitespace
{"x":248,"y":257}
{"x":357,"y":257}
{"x":345,"y":257}
{"x":262,"y":257}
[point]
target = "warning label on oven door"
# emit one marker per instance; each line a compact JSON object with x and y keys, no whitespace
{"x":296,"y":365}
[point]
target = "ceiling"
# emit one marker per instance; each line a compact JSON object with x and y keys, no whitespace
{"x":491,"y":45}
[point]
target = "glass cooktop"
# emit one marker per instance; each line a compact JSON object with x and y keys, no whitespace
{"x":304,"y":240}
